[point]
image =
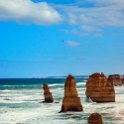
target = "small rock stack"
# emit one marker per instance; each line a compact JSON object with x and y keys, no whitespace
{"x":98,"y":89}
{"x":71,"y":101}
{"x":95,"y":118}
{"x":47,"y":94}
{"x":115,"y":79}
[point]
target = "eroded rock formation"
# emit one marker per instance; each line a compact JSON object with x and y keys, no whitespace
{"x":95,"y":118}
{"x":48,"y":98}
{"x":115,"y":79}
{"x":98,"y":89}
{"x":122,"y":79}
{"x":71,"y":101}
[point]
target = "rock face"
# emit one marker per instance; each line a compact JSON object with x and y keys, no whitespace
{"x":95,"y":118}
{"x":71,"y":101}
{"x":122,"y":80}
{"x":98,"y":89}
{"x":47,"y":94}
{"x":115,"y":79}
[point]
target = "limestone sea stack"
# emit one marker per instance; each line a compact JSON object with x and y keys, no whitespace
{"x":71,"y":101}
{"x":48,"y":98}
{"x":115,"y":79}
{"x":95,"y":118}
{"x":98,"y":89}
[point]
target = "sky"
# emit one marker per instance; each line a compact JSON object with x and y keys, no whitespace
{"x":41,"y":38}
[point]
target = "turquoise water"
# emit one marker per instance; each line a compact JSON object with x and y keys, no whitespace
{"x":20,"y":103}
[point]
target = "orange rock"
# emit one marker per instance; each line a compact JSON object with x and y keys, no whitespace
{"x":47,"y":94}
{"x":95,"y":118}
{"x":71,"y":101}
{"x":98,"y":88}
{"x":115,"y":79}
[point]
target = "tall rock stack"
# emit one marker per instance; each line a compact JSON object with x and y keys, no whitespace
{"x":47,"y":94}
{"x":115,"y":79}
{"x":95,"y":118}
{"x":71,"y":101}
{"x":99,"y":89}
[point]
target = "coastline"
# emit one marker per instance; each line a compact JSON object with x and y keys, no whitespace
{"x":23,"y":106}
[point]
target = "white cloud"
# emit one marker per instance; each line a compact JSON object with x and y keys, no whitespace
{"x":90,"y":28}
{"x":72,"y":43}
{"x":107,"y":3}
{"x":28,"y":11}
{"x":83,"y":18}
{"x":103,"y":16}
{"x":94,"y":15}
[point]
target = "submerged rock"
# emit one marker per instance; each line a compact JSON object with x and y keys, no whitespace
{"x":95,"y":118}
{"x":98,"y":88}
{"x":47,"y":94}
{"x":115,"y":79}
{"x":71,"y":101}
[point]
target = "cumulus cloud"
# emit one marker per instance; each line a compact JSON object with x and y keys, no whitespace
{"x":28,"y":11}
{"x":84,"y":16}
{"x":72,"y":43}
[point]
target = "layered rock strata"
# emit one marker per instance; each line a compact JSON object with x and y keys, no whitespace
{"x":99,"y":89}
{"x":115,"y":79}
{"x":71,"y":101}
{"x":48,"y":98}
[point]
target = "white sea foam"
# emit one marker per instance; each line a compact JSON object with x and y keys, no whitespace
{"x":23,"y":107}
{"x":56,"y":84}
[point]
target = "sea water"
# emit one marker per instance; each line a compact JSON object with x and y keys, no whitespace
{"x":21,"y":103}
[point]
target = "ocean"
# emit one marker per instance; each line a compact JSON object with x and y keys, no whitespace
{"x":21,"y":103}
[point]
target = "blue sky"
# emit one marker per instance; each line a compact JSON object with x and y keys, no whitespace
{"x":54,"y":38}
